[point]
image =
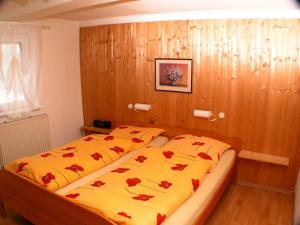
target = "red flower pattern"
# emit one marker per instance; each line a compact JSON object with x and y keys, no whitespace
{"x":143,"y":197}
{"x":133,"y":182}
{"x":109,"y":138}
{"x":165,"y":184}
{"x":45,"y":155}
{"x":204,"y":156}
{"x":73,"y":196}
{"x":117,"y":149}
{"x":140,"y":158}
{"x":98,"y":183}
{"x":120,"y":170}
{"x":70,"y":155}
{"x":75,"y":168}
{"x":160,"y":219}
{"x":198,"y":143}
{"x":195,"y":183}
{"x":124,"y":214}
{"x":135,"y":132}
{"x":69,"y":148}
{"x":88,"y":139}
{"x":96,"y":156}
{"x":48,"y":178}
{"x":179,"y":167}
{"x":168,"y":154}
{"x":178,"y":138}
{"x":21,"y":167}
{"x":137,"y":140}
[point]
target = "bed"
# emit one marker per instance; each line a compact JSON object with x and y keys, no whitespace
{"x":43,"y":207}
{"x":61,"y":166}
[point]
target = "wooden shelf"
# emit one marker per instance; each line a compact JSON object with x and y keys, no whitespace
{"x":262,"y":157}
{"x":95,"y":130}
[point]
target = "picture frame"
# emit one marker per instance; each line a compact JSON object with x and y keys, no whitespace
{"x":173,"y":75}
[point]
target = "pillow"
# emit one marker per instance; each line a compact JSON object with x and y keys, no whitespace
{"x":140,"y":136}
{"x":203,"y":147}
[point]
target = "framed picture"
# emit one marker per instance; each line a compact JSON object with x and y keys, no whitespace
{"x":173,"y":75}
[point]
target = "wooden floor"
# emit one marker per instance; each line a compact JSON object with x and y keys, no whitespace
{"x":247,"y":206}
{"x":239,"y":206}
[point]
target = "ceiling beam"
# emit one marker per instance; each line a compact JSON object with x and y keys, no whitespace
{"x":92,"y":6}
{"x":47,"y":9}
{"x":16,"y":12}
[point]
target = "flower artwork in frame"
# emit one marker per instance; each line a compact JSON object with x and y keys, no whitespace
{"x":173,"y":75}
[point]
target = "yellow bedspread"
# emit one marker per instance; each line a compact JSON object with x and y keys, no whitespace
{"x":150,"y":186}
{"x":61,"y":166}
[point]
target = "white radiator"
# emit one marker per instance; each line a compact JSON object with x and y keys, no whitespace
{"x":23,"y":138}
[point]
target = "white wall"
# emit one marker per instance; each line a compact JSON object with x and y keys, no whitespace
{"x":60,"y":86}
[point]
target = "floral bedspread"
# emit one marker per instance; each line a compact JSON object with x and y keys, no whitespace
{"x":149,"y":187}
{"x":61,"y":166}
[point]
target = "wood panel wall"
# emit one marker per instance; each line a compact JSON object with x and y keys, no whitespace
{"x":249,"y":69}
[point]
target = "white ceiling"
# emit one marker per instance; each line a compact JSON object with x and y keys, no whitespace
{"x":167,"y":6}
{"x":79,"y":10}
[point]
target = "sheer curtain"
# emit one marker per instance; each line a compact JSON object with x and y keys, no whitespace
{"x":20,"y":60}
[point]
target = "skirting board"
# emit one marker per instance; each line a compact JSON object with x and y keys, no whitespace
{"x":263,"y":187}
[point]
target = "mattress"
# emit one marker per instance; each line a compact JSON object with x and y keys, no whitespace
{"x":156,"y":142}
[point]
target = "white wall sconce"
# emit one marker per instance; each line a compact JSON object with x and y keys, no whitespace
{"x":208,"y":115}
{"x":202,"y":113}
{"x":139,"y":106}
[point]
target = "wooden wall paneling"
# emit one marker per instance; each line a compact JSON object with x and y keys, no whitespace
{"x":200,"y":88}
{"x":192,"y":29}
{"x":233,"y":115}
{"x":248,"y":69}
{"x":139,"y":75}
{"x":164,"y":100}
{"x":128,"y":77}
{"x":118,"y":72}
{"x":148,"y":69}
{"x":272,"y":110}
{"x":151,"y":40}
{"x":181,"y":50}
{"x":84,"y":65}
{"x":224,"y":74}
{"x":99,"y":70}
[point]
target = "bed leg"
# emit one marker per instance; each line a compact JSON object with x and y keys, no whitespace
{"x":2,"y":210}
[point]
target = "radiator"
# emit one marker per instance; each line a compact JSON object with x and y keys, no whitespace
{"x":23,"y":138}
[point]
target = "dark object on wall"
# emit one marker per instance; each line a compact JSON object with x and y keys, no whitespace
{"x":298,"y":2}
{"x":102,"y":123}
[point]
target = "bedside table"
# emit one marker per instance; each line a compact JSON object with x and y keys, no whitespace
{"x":94,"y":130}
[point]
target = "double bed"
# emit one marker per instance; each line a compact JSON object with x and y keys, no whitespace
{"x":42,"y":206}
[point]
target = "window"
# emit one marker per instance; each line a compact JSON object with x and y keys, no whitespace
{"x":11,"y":53}
{"x":20,"y":60}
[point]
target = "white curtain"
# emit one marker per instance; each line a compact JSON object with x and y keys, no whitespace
{"x":20,"y":60}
